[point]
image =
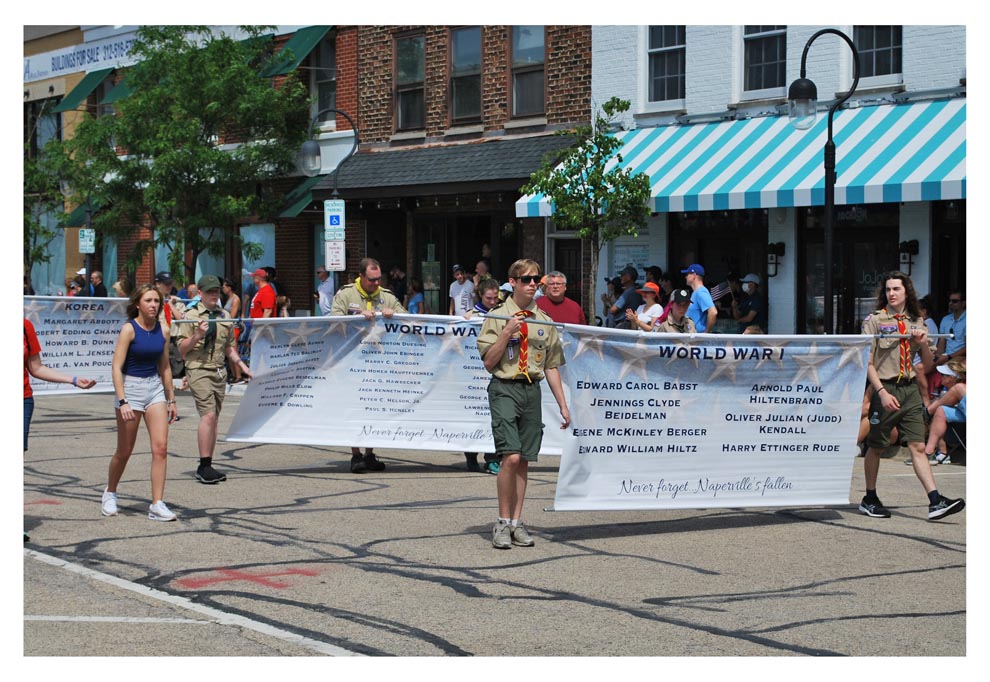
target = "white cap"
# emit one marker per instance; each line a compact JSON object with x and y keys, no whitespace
{"x":506,"y":287}
{"x":81,"y":272}
{"x":751,"y":277}
{"x":944,"y":369}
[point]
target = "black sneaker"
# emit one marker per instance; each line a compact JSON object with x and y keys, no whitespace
{"x":207,"y":474}
{"x":357,"y":465}
{"x":372,"y":463}
{"x":874,"y":509}
{"x":944,"y":507}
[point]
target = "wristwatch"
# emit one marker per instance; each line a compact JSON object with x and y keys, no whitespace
{"x":121,"y":402}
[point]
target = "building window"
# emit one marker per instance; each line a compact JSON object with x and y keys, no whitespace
{"x":765,"y":55}
{"x":527,"y":71}
{"x":410,"y":97}
{"x":41,"y":125}
{"x":667,"y":57}
{"x":323,"y":82}
{"x":465,"y":75}
{"x":879,"y":50}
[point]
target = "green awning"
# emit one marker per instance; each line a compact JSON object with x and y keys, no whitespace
{"x":78,"y":216}
{"x":120,"y":91}
{"x":299,"y":198}
{"x":89,"y":83}
{"x":295,"y":50}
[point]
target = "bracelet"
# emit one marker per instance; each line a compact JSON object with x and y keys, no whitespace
{"x":74,"y":382}
{"x":170,"y":402}
{"x":882,"y":388}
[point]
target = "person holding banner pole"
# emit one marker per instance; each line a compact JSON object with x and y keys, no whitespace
{"x":205,"y":348}
{"x":142,"y":383}
{"x":519,"y":352}
{"x":366,"y":296}
{"x":898,"y":331}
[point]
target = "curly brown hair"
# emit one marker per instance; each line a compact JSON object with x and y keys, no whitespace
{"x":910,"y":295}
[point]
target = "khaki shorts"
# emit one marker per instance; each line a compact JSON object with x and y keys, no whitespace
{"x":909,"y":421}
{"x":517,"y":417}
{"x":208,"y":387}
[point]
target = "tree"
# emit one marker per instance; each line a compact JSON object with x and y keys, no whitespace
{"x":590,"y":193}
{"x":44,"y":203}
{"x":192,"y":148}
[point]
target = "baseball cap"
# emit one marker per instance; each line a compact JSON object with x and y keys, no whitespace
{"x":260,"y":272}
{"x":81,"y":272}
{"x":457,"y":268}
{"x":506,"y":287}
{"x":755,"y":279}
{"x":207,"y":282}
{"x":649,"y":287}
{"x":629,"y":270}
{"x":944,"y":369}
{"x":680,"y":296}
{"x":695,"y":269}
{"x":163,"y":277}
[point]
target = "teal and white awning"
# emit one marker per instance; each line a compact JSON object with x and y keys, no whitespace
{"x":884,"y":153}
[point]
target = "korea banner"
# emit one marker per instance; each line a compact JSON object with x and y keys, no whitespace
{"x":77,"y":336}
{"x":668,"y":421}
{"x":410,"y":382}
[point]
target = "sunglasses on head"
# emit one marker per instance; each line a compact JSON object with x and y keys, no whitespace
{"x":528,"y":279}
{"x":373,"y":279}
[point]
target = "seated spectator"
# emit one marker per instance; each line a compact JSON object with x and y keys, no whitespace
{"x":649,"y":311}
{"x":949,"y":408}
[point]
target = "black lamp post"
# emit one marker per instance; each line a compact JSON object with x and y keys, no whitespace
{"x":802,"y":99}
{"x":310,"y":162}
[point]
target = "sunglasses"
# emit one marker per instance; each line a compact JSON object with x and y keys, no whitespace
{"x":374,"y":279}
{"x":955,"y":300}
{"x":528,"y":279}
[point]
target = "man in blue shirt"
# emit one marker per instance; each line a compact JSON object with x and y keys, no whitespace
{"x":702,"y":310}
{"x":954,"y":323}
{"x":629,"y":299}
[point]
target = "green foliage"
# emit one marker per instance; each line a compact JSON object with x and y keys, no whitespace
{"x":43,"y":202}
{"x":598,"y":200}
{"x":199,"y":137}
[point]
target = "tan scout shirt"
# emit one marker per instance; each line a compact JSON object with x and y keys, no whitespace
{"x":206,"y":354}
{"x":668,"y":326}
{"x":545,"y":349}
{"x":886,"y":354}
{"x":349,"y":295}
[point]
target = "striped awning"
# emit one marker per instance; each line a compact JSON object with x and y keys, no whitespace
{"x":884,"y":153}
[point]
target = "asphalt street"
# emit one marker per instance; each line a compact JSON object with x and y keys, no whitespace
{"x":295,"y":556}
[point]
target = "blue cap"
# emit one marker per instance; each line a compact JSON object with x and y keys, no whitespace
{"x":695,"y":269}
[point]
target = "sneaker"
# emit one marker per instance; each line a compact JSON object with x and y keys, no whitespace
{"x":372,"y":463}
{"x":945,"y":507}
{"x":492,"y":467}
{"x":874,"y":509}
{"x":109,"y":506}
{"x":159,"y":512}
{"x":472,"y":462}
{"x":939,"y":458}
{"x":521,"y":536}
{"x":502,"y":535}
{"x":207,"y":474}
{"x":357,"y":465}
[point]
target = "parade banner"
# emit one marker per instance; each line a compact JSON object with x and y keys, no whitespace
{"x":669,"y":421}
{"x":410,"y":382}
{"x":77,"y":336}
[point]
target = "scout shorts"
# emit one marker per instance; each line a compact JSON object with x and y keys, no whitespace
{"x":142,"y":392}
{"x":208,"y":386}
{"x":517,"y":417}
{"x":909,"y":421}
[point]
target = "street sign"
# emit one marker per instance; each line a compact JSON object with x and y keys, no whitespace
{"x":333,"y":219}
{"x":334,"y":256}
{"x":87,"y":240}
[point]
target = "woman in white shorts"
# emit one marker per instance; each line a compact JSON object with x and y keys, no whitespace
{"x":142,"y":382}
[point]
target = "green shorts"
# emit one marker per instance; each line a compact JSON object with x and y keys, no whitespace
{"x":208,"y":387}
{"x":909,"y":420}
{"x":517,"y":417}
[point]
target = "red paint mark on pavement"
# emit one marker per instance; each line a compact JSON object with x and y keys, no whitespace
{"x":233,"y":575}
{"x":42,"y":502}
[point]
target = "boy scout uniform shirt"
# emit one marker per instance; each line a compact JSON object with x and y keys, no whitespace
{"x":205,"y":354}
{"x":886,"y":354}
{"x":349,"y":294}
{"x":545,"y":349}
{"x":669,"y":326}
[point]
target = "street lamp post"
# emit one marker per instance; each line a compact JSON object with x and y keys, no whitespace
{"x":310,"y":162}
{"x":802,"y":99}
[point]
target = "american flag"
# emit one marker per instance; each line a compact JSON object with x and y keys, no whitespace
{"x":720,"y":290}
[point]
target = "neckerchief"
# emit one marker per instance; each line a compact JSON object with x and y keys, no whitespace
{"x":523,"y":366}
{"x":210,"y":340}
{"x":369,"y":299}
{"x":904,"y":346}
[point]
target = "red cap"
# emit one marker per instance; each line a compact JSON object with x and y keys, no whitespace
{"x":260,"y":272}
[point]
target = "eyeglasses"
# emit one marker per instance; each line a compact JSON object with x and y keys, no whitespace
{"x":955,"y":300}
{"x":373,"y":279}
{"x":556,"y":284}
{"x":528,"y":279}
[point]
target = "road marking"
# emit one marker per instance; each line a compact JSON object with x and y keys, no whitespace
{"x":114,"y":619}
{"x":216,"y":615}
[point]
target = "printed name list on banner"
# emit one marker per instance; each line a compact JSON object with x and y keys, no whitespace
{"x":77,"y":336}
{"x":663,"y":422}
{"x":409,"y":382}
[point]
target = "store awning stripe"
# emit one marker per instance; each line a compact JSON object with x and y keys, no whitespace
{"x":75,"y":97}
{"x":119,"y":92}
{"x":295,"y":50}
{"x":884,"y":153}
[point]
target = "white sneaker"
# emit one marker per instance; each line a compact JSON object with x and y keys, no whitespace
{"x":159,"y":512}
{"x":109,"y":506}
